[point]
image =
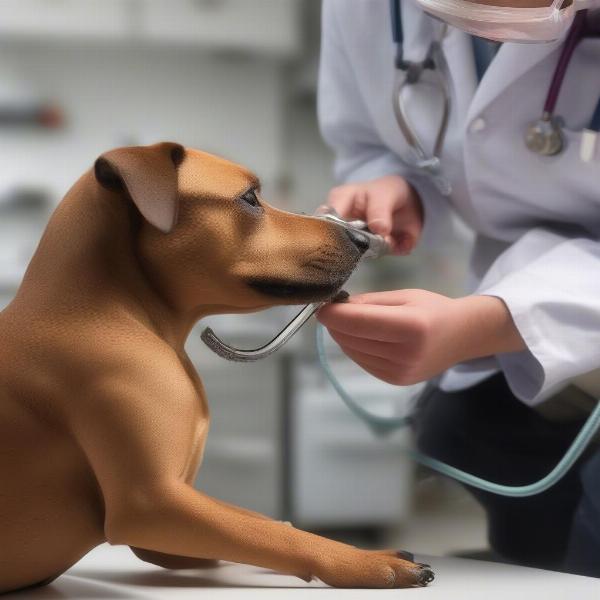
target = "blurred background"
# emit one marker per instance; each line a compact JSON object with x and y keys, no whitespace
{"x":237,"y":78}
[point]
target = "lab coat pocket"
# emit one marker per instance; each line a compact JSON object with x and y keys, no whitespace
{"x":577,"y":177}
{"x":584,"y":146}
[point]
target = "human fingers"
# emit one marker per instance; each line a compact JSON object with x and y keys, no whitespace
{"x":380,"y":210}
{"x":385,"y":298}
{"x":378,"y":367}
{"x":375,"y":322}
{"x":374,"y":348}
{"x":405,"y":232}
{"x":348,"y":200}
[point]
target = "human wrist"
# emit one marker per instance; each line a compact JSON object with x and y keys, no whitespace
{"x":486,"y":327}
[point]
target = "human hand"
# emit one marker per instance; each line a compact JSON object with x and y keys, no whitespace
{"x":407,"y":336}
{"x":389,"y":205}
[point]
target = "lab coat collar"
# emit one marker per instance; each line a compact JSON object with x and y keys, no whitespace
{"x":511,"y":63}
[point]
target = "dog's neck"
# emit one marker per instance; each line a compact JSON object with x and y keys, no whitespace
{"x":86,"y":263}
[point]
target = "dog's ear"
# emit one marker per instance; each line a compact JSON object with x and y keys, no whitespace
{"x":148,"y":174}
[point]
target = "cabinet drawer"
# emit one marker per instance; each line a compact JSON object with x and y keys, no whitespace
{"x":264,"y":26}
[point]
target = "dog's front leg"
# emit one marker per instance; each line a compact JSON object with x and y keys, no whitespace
{"x":243,"y":511}
{"x":171,"y":561}
{"x":136,"y":434}
{"x":180,"y":520}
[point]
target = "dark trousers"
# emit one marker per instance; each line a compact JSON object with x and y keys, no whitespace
{"x":486,"y":431}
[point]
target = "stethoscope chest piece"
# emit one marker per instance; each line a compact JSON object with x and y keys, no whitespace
{"x":544,"y":136}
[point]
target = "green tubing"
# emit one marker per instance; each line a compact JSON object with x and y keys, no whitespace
{"x":384,"y":425}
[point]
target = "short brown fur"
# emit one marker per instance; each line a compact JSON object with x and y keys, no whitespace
{"x":103,"y":419}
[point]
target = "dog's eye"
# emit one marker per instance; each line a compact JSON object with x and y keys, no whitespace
{"x":250,"y":198}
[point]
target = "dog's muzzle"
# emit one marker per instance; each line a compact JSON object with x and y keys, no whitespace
{"x":372,"y":244}
{"x":369,"y":244}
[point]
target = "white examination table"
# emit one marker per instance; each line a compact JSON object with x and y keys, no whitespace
{"x":109,"y":573}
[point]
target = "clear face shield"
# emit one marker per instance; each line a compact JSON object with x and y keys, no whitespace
{"x":509,"y":20}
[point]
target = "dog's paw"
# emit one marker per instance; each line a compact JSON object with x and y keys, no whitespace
{"x":374,"y":569}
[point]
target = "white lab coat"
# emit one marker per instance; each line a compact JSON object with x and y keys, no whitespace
{"x":537,"y":218}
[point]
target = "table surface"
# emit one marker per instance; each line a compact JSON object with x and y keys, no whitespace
{"x":109,"y":573}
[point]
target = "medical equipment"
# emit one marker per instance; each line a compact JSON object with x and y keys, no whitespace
{"x":377,"y":247}
{"x":410,"y":73}
{"x":543,"y":136}
{"x":218,"y":346}
{"x":381,"y":425}
{"x":384,"y":425}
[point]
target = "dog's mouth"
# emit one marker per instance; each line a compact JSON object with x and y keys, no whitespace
{"x":300,"y":291}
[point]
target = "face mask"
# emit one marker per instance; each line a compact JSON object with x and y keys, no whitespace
{"x":507,"y":23}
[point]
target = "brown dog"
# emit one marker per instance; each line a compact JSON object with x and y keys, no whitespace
{"x":103,"y":419}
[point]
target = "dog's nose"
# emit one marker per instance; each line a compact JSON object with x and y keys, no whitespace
{"x":358,"y":239}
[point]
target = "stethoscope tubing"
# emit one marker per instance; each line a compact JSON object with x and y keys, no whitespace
{"x":576,"y":33}
{"x":409,"y":73}
{"x":385,"y":425}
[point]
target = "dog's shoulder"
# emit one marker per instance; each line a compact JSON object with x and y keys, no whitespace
{"x":61,"y":369}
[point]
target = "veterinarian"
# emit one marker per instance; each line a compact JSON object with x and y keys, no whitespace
{"x":428,"y":117}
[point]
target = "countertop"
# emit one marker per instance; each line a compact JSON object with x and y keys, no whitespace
{"x":109,"y":573}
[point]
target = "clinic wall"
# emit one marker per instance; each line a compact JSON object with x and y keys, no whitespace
{"x":117,"y":95}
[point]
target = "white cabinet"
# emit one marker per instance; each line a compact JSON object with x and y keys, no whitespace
{"x":243,"y":459}
{"x":76,"y":19}
{"x":270,"y":26}
{"x":342,"y":473}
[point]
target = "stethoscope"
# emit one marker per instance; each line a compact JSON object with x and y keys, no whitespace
{"x":543,"y":136}
{"x":384,"y":425}
{"x":410,"y":73}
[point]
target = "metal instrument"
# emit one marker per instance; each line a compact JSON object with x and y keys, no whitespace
{"x":410,"y":73}
{"x":544,"y":136}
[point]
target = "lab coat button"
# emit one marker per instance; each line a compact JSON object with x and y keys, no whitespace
{"x":477,"y":125}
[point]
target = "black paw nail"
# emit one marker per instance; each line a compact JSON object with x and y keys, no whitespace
{"x":425,"y":576}
{"x":406,"y":555}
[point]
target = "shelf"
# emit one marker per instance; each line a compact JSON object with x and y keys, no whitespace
{"x":269,"y":27}
{"x":266,"y":26}
{"x":71,"y":19}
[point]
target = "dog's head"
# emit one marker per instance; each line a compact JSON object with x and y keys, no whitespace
{"x":207,"y":238}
